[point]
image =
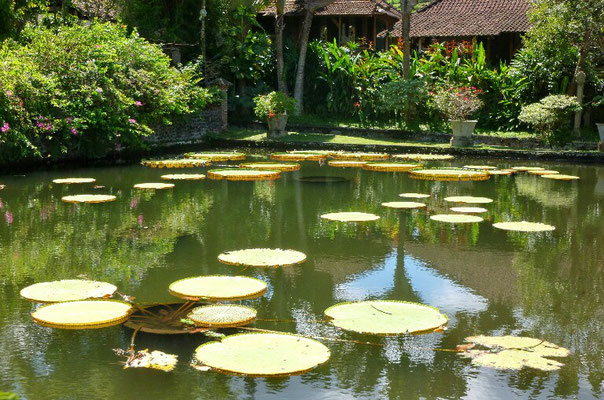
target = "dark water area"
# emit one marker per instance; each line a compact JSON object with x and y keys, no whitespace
{"x":488,"y":281}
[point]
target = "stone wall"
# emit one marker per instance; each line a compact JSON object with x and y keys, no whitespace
{"x":189,"y":131}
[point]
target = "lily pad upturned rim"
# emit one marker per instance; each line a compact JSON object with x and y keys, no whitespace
{"x":298,"y":156}
{"x":449,"y":174}
{"x":415,"y":195}
{"x":390,"y":166}
{"x":176,"y":163}
{"x":360,"y":156}
{"x":424,"y":157}
{"x":561,"y":177}
{"x":369,"y":326}
{"x":501,"y":171}
{"x":346,"y":163}
{"x":57,"y":292}
{"x":469,"y":210}
{"x":526,"y":169}
{"x":71,"y":181}
{"x":524,"y":226}
{"x":184,"y":177}
{"x":271,"y":166}
{"x":469,"y":199}
{"x":217,"y":155}
{"x":262,"y":364}
{"x":154,"y":185}
{"x":481,"y":167}
{"x":350,"y":216}
{"x":119,"y":316}
{"x":456,"y":218}
{"x":543,"y":172}
{"x":211,"y":294}
{"x":242,"y":174}
{"x":281,"y":257}
{"x":89,"y":198}
{"x":404,"y":205}
{"x":202,"y":315}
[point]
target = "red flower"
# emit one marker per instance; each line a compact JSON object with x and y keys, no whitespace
{"x":271,"y":114}
{"x":357,"y":104}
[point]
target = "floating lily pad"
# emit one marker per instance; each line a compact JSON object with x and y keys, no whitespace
{"x":456,"y":218}
{"x":67,"y":290}
{"x":89,"y":198}
{"x":322,"y":179}
{"x":511,"y":352}
{"x":222,"y":315}
{"x":385,"y":317}
{"x":217,"y":156}
{"x":350,"y":217}
{"x":469,"y":199}
{"x":524,"y":226}
{"x":390,"y":166}
{"x":262,"y":354}
{"x":449,"y":174}
{"x":423,"y":157}
{"x":361,"y":156}
{"x":526,"y":169}
{"x":187,"y":163}
{"x":85,"y":314}
{"x":70,"y":181}
{"x":501,"y":171}
{"x":346,"y":164}
{"x":262,"y":257}
{"x":480,"y":167}
{"x":154,"y":185}
{"x":543,"y":172}
{"x":414,"y":195}
{"x":325,"y":152}
{"x":469,"y":210}
{"x":403,"y":204}
{"x":560,"y":177}
{"x":298,"y":156}
{"x":153,"y":360}
{"x":272,"y":166}
{"x":183,"y":177}
{"x":218,"y":287}
{"x":243,"y":174}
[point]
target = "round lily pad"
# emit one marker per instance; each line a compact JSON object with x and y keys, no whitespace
{"x":89,"y":198}
{"x":360,"y":156}
{"x":218,"y":287}
{"x":526,"y":169}
{"x":67,"y":290}
{"x":298,"y":156}
{"x":262,"y":257}
{"x":222,"y":315}
{"x":414,"y":195}
{"x":480,"y":167}
{"x":423,"y":157}
{"x":85,"y":314}
{"x":325,"y":152}
{"x":560,"y":177}
{"x":390,"y":166}
{"x":217,"y":156}
{"x":70,"y":181}
{"x":385,"y":317}
{"x":187,"y":163}
{"x":154,"y":185}
{"x":272,"y":166}
{"x":449,"y":174}
{"x":347,"y":164}
{"x":403,"y":205}
{"x":243,"y":174}
{"x":543,"y":172}
{"x":183,"y":177}
{"x":501,"y":171}
{"x":456,"y":218}
{"x":469,"y":210}
{"x":350,"y":217}
{"x":469,"y":199}
{"x":262,"y":354}
{"x":524,"y":226}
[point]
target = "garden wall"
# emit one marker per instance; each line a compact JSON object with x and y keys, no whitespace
{"x":189,"y":131}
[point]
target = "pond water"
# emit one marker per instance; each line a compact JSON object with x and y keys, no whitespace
{"x":488,"y":281}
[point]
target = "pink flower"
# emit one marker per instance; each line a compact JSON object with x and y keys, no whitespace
{"x":5,"y":128}
{"x":138,"y":103}
{"x":141,"y":220}
{"x":99,"y":90}
{"x":8,"y":216}
{"x":73,"y":131}
{"x":9,"y":93}
{"x":133,"y":202}
{"x":132,"y":121}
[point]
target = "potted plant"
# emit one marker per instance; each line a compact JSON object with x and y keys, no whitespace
{"x":274,"y":107}
{"x":458,"y":104}
{"x":597,"y":102}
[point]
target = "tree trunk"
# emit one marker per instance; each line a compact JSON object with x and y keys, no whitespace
{"x":406,"y":6}
{"x":583,"y":50}
{"x":279,"y":25}
{"x":299,"y":87}
{"x":202,"y":37}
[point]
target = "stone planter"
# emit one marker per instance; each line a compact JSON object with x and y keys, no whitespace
{"x":462,"y":133}
{"x":601,"y":133}
{"x":276,"y":126}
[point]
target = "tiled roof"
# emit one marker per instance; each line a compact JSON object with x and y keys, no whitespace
{"x":460,"y":18}
{"x":339,"y":7}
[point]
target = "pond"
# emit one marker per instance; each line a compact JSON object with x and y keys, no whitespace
{"x":546,"y":285}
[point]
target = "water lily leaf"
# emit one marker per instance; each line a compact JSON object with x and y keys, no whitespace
{"x":272,"y":166}
{"x":543,"y":172}
{"x":423,"y":157}
{"x":67,"y":290}
{"x":70,"y":181}
{"x":469,"y":210}
{"x":325,"y":152}
{"x":414,"y":195}
{"x":449,"y":174}
{"x":262,"y":257}
{"x":262,"y":354}
{"x":243,"y":174}
{"x":350,"y":217}
{"x":85,"y":314}
{"x":222,"y":315}
{"x":89,"y":198}
{"x":185,"y":177}
{"x":360,"y":156}
{"x":512,"y":352}
{"x":188,"y":163}
{"x":346,"y":163}
{"x":385,"y":317}
{"x":154,"y":185}
{"x":298,"y":156}
{"x":218,"y":287}
{"x":524,"y":226}
{"x":218,"y":156}
{"x":456,"y":218}
{"x":403,"y":205}
{"x":469,"y":199}
{"x":501,"y":171}
{"x":526,"y":169}
{"x":560,"y":177}
{"x":390,"y":166}
{"x":480,"y":167}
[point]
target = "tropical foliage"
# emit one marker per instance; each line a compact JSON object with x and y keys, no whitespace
{"x":273,"y":104}
{"x":551,"y":117}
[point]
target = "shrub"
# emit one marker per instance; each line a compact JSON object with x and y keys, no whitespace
{"x":551,"y":117}
{"x":457,"y":104}
{"x":273,"y":104}
{"x":83,"y":90}
{"x":403,"y":98}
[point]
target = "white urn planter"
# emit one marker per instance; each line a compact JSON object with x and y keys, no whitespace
{"x":462,"y":133}
{"x":276,"y":125}
{"x":601,"y":133}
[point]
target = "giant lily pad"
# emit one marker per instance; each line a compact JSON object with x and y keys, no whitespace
{"x":217,"y":156}
{"x":360,"y":156}
{"x":480,"y":167}
{"x":271,"y":166}
{"x":187,"y":163}
{"x":262,"y":257}
{"x":386,"y":317}
{"x":560,"y":177}
{"x":183,"y":177}
{"x":85,"y":314}
{"x":511,"y":352}
{"x":67,"y":290}
{"x":154,"y":185}
{"x":414,"y":195}
{"x":390,"y":166}
{"x":350,"y":217}
{"x":401,"y":205}
{"x":543,"y":172}
{"x":218,"y":287}
{"x":469,"y":210}
{"x":222,"y":315}
{"x":346,"y":163}
{"x":70,"y":181}
{"x":89,"y":198}
{"x":524,"y":226}
{"x":456,"y":218}
{"x":501,"y":171}
{"x":262,"y":354}
{"x":242,"y":174}
{"x":526,"y":169}
{"x":298,"y":156}
{"x":449,"y":174}
{"x":469,"y":199}
{"x":423,"y":157}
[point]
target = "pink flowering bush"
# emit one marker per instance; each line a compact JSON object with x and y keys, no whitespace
{"x":457,"y":103}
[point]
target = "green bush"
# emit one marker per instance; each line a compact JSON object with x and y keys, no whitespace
{"x":551,"y":117}
{"x":85,"y":89}
{"x":273,"y":104}
{"x":457,"y":104}
{"x":404,"y":99}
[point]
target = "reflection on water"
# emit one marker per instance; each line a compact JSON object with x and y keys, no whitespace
{"x":487,"y":281}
